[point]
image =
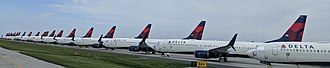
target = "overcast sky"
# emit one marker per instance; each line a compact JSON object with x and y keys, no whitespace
{"x":258,"y":20}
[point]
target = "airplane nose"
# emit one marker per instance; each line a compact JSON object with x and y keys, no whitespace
{"x":251,"y":53}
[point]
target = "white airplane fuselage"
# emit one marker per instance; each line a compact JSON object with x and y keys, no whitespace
{"x":64,"y":40}
{"x":127,"y":42}
{"x":190,"y":46}
{"x":86,"y":41}
{"x":48,"y":39}
{"x":292,"y":52}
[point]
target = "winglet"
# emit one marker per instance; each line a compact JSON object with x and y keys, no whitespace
{"x":198,"y":32}
{"x":100,"y":39}
{"x":232,"y":42}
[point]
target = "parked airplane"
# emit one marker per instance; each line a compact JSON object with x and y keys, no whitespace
{"x":25,"y":38}
{"x":49,"y":38}
{"x":292,"y":53}
{"x":77,"y":41}
{"x":30,"y":39}
{"x":115,"y":43}
{"x":196,"y":34}
{"x":109,"y":35}
{"x":210,"y":49}
{"x":18,"y":38}
{"x":38,"y":39}
{"x":65,"y":40}
{"x":53,"y":40}
{"x":94,"y":41}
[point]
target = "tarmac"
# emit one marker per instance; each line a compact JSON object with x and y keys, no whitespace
{"x":14,"y":59}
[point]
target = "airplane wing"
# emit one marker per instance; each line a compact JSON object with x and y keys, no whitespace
{"x":224,"y":49}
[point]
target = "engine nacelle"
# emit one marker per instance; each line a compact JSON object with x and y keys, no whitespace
{"x":96,"y":46}
{"x":133,"y":48}
{"x":205,"y":54}
{"x":72,"y":44}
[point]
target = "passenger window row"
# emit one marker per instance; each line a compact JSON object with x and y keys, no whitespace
{"x":305,"y":50}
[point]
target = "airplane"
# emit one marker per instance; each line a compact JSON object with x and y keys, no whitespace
{"x":212,"y":49}
{"x":108,"y":36}
{"x":76,"y":41}
{"x":38,"y":39}
{"x":123,"y":43}
{"x":311,"y":53}
{"x":51,"y":38}
{"x":66,"y":40}
{"x":197,"y":34}
{"x":25,"y":38}
{"x":94,"y":42}
{"x":30,"y":39}
{"x":18,"y":38}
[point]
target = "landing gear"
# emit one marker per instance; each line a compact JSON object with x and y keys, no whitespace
{"x":265,"y":62}
{"x":223,"y":58}
{"x":153,"y":52}
{"x":165,"y":55}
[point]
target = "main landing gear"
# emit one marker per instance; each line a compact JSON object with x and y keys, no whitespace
{"x":269,"y":64}
{"x":223,"y":58}
{"x":165,"y":55}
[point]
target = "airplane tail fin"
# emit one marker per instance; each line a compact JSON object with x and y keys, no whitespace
{"x":295,"y":32}
{"x":37,"y":34}
{"x":72,"y":34}
{"x":52,"y":34}
{"x":45,"y":33}
{"x":198,"y":32}
{"x":60,"y":34}
{"x":89,"y":33}
{"x":29,"y":34}
{"x":18,"y":34}
{"x":145,"y":32}
{"x":24,"y":34}
{"x":111,"y":32}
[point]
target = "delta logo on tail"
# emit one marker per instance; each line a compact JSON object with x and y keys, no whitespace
{"x":198,"y":32}
{"x":37,"y":34}
{"x":29,"y":34}
{"x":111,"y":32}
{"x":60,"y":34}
{"x":45,"y":33}
{"x":72,"y":34}
{"x":145,"y":32}
{"x":295,"y":32}
{"x":52,"y":34}
{"x":89,"y":33}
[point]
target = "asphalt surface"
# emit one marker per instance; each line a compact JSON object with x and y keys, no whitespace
{"x":233,"y":62}
{"x":13,"y":59}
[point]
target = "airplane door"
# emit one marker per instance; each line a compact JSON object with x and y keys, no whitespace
{"x":274,"y":50}
{"x":275,"y":56}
